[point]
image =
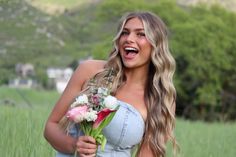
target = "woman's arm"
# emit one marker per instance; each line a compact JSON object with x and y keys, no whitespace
{"x":53,"y":133}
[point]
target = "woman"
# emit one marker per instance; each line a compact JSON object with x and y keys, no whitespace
{"x":143,"y":85}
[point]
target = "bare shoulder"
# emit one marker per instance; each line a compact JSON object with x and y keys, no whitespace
{"x":89,"y":68}
{"x":93,"y":64}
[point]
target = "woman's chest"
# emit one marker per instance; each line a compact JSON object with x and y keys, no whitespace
{"x":126,"y":128}
{"x":134,"y":98}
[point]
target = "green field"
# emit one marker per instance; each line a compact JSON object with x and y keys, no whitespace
{"x":21,"y":129}
{"x":198,"y":139}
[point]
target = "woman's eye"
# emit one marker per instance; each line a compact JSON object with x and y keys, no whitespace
{"x":141,"y":34}
{"x":124,"y":33}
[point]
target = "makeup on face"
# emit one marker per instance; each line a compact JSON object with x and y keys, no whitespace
{"x":133,"y":44}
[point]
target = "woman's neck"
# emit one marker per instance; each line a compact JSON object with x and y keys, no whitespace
{"x":136,"y":78}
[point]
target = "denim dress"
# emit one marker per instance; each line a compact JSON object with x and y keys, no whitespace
{"x":123,"y":133}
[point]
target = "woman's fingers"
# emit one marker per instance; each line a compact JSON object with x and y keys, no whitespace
{"x":86,"y":151}
{"x":86,"y":146}
{"x":86,"y":142}
{"x":91,"y":155}
{"x":87,"y":139}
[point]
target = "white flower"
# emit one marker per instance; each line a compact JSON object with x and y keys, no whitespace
{"x":91,"y":116}
{"x":80,"y":100}
{"x":83,"y":99}
{"x":103,"y":91}
{"x":110,"y":102}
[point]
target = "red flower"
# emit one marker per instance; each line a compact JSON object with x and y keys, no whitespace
{"x":101,"y":116}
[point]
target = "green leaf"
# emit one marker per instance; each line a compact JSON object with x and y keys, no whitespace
{"x":104,"y":141}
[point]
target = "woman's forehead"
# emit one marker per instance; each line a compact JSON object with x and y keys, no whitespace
{"x":134,"y":23}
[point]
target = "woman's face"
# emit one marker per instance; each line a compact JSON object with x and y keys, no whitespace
{"x":134,"y":48}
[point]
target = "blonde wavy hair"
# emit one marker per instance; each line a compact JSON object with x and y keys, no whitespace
{"x":160,"y":94}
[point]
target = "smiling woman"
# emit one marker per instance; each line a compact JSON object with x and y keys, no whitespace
{"x":141,"y":80}
{"x":134,"y":46}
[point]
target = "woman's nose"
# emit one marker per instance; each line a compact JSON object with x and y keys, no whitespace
{"x":130,"y":38}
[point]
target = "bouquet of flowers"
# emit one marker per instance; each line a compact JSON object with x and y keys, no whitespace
{"x":93,"y":112}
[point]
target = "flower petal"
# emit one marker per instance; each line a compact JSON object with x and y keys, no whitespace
{"x":75,"y":112}
{"x":101,"y":116}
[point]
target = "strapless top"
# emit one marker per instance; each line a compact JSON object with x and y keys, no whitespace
{"x":125,"y":131}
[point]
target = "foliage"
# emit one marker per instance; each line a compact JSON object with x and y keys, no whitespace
{"x":204,"y":50}
{"x":202,"y":39}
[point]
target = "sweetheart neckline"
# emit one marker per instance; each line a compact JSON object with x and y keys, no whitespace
{"x":136,"y":110}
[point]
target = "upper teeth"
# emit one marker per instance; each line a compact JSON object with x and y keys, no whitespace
{"x":130,"y":49}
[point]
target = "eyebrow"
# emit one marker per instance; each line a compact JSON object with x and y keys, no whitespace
{"x":136,"y":29}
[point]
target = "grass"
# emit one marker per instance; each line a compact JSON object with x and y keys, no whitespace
{"x":206,"y":139}
{"x":22,"y":132}
{"x":28,"y":97}
{"x":21,"y":129}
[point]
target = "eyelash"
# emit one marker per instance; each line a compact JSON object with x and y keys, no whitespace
{"x":141,"y":34}
{"x":138,"y":34}
{"x":124,"y":33}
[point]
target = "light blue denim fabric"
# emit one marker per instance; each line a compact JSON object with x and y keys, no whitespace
{"x":124,"y":132}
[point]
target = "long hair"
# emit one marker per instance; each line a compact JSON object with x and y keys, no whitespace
{"x":160,"y":94}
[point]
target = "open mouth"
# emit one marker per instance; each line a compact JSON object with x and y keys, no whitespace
{"x":131,"y":50}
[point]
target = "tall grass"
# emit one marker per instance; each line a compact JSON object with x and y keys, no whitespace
{"x":21,"y":132}
{"x":21,"y":129}
{"x":22,"y":124}
{"x":200,"y":139}
{"x":27,"y":97}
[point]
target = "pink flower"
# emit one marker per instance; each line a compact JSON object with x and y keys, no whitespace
{"x":77,"y":114}
{"x":101,"y":116}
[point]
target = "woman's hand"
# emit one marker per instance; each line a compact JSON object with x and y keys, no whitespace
{"x":86,"y":146}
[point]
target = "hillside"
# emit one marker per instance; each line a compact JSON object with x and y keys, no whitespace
{"x":55,"y":7}
{"x":28,"y":35}
{"x":228,"y":4}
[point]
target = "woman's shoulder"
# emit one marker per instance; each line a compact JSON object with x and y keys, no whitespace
{"x":89,"y":68}
{"x":94,"y":64}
